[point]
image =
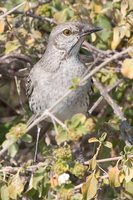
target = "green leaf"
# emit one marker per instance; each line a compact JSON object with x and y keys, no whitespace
{"x":93,"y":163}
{"x":104,"y":22}
{"x":89,"y":189}
{"x":36,"y":178}
{"x":4,"y":192}
{"x":61,"y":136}
{"x":61,"y":16}
{"x":103,"y":137}
{"x":7,"y":143}
{"x":11,"y":46}
{"x":108,"y":144}
{"x":15,"y":187}
{"x":26,"y":138}
{"x":129,"y":187}
{"x":78,"y":119}
{"x":75,"y":83}
{"x":13,"y":149}
{"x":77,"y":196}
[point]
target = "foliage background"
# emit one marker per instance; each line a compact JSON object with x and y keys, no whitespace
{"x":65,"y":170}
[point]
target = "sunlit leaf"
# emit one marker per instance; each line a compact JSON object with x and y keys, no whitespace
{"x":4,"y":192}
{"x":13,"y":149}
{"x":89,"y":188}
{"x":92,"y":163}
{"x":127,"y":68}
{"x":93,"y":139}
{"x":27,"y":138}
{"x":15,"y":187}
{"x":11,"y":46}
{"x":2,"y":25}
{"x":36,"y":178}
{"x":108,"y":144}
{"x":104,"y":22}
{"x":113,"y":174}
{"x":129,"y":187}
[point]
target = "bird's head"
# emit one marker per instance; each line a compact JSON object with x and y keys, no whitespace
{"x":69,"y":36}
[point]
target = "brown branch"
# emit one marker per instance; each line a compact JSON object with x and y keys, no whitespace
{"x":101,"y":98}
{"x":4,"y":102}
{"x":10,"y":169}
{"x":110,"y":101}
{"x":7,"y":58}
{"x":97,"y":52}
{"x":12,"y":10}
{"x":42,"y":18}
{"x":112,"y":159}
{"x":108,"y":60}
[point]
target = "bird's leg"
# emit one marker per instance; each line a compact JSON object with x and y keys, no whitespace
{"x":37,"y":141}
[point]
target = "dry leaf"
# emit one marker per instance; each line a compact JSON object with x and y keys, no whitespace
{"x":113,"y":174}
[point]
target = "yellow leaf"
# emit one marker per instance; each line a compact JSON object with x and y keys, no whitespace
{"x":89,"y":124}
{"x":23,"y":32}
{"x":128,"y":172}
{"x":15,"y":187}
{"x":93,"y":37}
{"x":60,"y":16}
{"x":93,"y":163}
{"x":11,"y":46}
{"x":113,"y":174}
{"x":2,"y":9}
{"x":30,"y":40}
{"x":97,"y":8}
{"x":127,"y":68}
{"x":89,"y":188}
{"x":2,"y":25}
{"x":93,"y":139}
{"x":124,"y":7}
{"x":118,"y":35}
{"x":130,"y":43}
{"x":129,"y":187}
{"x":36,"y":34}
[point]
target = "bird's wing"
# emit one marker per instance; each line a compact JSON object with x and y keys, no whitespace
{"x":29,"y":86}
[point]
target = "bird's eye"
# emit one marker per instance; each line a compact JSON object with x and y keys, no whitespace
{"x":67,"y":32}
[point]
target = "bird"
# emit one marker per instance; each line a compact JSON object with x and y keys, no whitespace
{"x":51,"y":77}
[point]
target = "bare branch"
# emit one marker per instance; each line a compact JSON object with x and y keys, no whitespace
{"x":110,"y":101}
{"x":12,"y":10}
{"x":42,"y":18}
{"x":101,"y":98}
{"x":7,"y":58}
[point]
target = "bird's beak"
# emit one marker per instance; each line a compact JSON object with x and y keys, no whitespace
{"x":88,"y":30}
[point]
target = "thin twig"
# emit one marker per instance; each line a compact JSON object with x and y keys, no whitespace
{"x":97,"y":52}
{"x":110,"y":101}
{"x":42,"y":164}
{"x":56,"y":120}
{"x":12,"y":10}
{"x":108,"y":60}
{"x":101,"y":98}
{"x":6,"y":148}
{"x":42,"y":18}
{"x":112,"y":159}
{"x":7,"y":58}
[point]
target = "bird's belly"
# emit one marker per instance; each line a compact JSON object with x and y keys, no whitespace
{"x":76,"y":102}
